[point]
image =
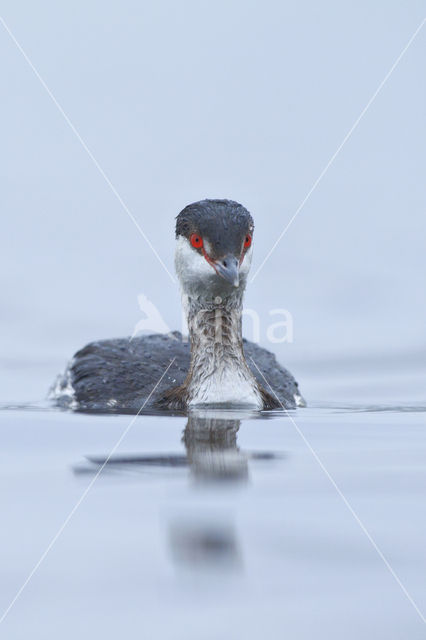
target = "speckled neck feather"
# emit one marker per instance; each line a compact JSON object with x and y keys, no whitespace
{"x":218,"y":373}
{"x":218,"y":367}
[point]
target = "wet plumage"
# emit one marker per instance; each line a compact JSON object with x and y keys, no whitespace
{"x":217,"y":367}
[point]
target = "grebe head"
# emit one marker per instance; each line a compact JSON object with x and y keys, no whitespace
{"x":214,"y":248}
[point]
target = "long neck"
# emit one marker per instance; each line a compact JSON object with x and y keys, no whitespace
{"x":218,"y":372}
{"x":215,"y":332}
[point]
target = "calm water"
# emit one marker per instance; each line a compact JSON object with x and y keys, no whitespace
{"x":232,"y":531}
{"x":222,"y":525}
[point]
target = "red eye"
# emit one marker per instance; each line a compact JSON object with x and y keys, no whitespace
{"x":196,"y":241}
{"x":247,"y":241}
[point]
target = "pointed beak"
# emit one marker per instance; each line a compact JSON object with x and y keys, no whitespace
{"x":228,"y":268}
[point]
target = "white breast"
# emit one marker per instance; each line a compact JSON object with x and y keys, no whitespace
{"x":228,"y":387}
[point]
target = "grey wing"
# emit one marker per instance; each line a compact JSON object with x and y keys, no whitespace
{"x":119,"y":375}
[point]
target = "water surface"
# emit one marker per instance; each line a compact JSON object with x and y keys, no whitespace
{"x":217,"y":526}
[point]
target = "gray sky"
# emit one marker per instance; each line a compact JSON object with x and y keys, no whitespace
{"x":184,"y":100}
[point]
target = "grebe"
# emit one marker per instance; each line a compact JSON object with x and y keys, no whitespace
{"x":212,"y":260}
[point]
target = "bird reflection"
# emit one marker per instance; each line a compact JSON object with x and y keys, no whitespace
{"x":205,"y":545}
{"x":210,"y":440}
{"x":201,"y":537}
{"x":211,"y":451}
{"x":205,"y":540}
